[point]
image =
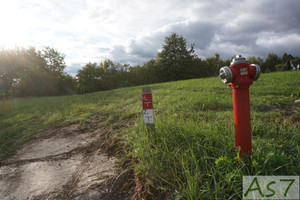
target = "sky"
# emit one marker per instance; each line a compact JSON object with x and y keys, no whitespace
{"x":133,"y":31}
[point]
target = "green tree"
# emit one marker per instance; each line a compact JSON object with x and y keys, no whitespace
{"x":285,"y":59}
{"x":270,"y":63}
{"x":28,"y":72}
{"x":285,"y":62}
{"x":174,"y":59}
{"x":255,"y":60}
{"x":213,"y":64}
{"x":55,"y":60}
{"x":88,"y":78}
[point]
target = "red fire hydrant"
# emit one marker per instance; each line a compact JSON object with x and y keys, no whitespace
{"x":240,"y":75}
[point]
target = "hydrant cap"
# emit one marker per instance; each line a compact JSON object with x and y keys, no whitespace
{"x":239,"y":59}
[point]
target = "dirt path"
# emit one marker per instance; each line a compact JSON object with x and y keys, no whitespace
{"x":63,"y":163}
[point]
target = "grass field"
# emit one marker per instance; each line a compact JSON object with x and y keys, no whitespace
{"x":20,"y":119}
{"x":191,"y":155}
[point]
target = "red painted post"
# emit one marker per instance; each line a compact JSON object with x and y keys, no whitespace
{"x":147,"y":104}
{"x":242,"y":124}
{"x":240,"y":76}
{"x":148,"y":111}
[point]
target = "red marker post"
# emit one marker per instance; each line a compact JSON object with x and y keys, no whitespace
{"x":148,"y":111}
{"x":147,"y":104}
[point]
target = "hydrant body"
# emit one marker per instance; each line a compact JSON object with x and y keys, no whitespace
{"x":240,"y":76}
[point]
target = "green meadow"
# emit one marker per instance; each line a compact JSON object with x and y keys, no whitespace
{"x":191,"y":153}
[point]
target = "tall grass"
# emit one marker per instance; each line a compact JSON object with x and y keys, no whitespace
{"x":191,"y":155}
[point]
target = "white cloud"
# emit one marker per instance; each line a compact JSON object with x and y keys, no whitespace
{"x":133,"y":31}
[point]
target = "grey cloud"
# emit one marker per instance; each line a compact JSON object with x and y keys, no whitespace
{"x":118,"y":53}
{"x":103,"y":49}
{"x":282,"y":16}
{"x":200,"y":33}
{"x":280,"y":44}
{"x":227,"y":28}
{"x":263,"y":16}
{"x":256,"y":21}
{"x":146,"y":47}
{"x":243,"y":39}
{"x":73,"y":68}
{"x":248,"y":27}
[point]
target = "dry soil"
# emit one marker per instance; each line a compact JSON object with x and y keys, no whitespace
{"x":67,"y":162}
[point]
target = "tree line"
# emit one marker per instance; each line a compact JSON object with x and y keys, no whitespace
{"x":30,"y":72}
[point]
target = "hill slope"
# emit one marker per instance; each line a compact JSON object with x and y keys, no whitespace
{"x":191,"y":155}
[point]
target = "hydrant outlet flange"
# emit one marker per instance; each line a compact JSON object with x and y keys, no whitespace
{"x":225,"y":74}
{"x":257,"y":71}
